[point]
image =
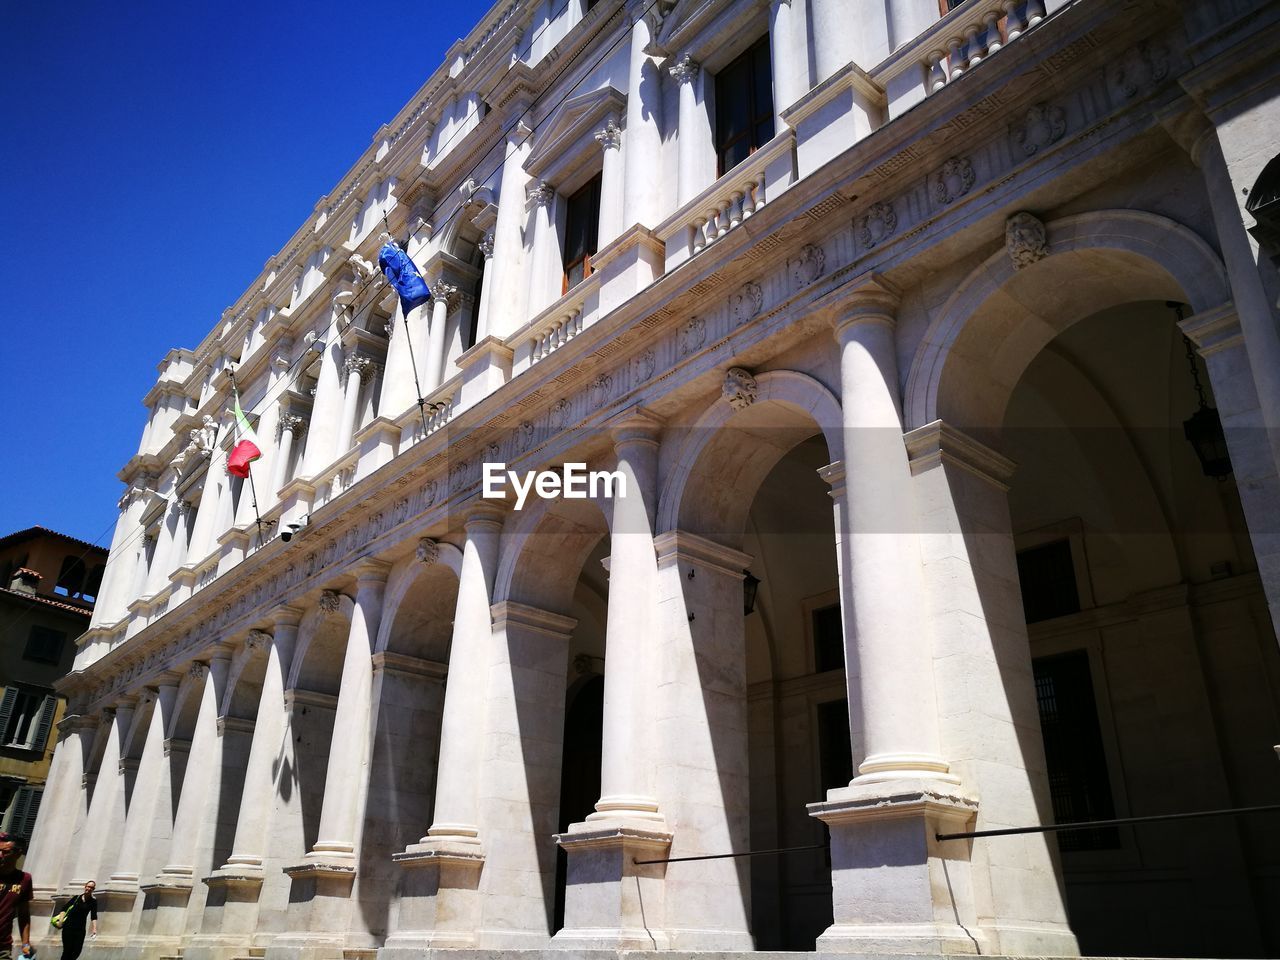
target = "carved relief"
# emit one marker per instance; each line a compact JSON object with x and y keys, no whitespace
{"x":1139,"y":68}
{"x":493,"y":453}
{"x":644,"y":365}
{"x":330,"y":603}
{"x":458,"y":475}
{"x":197,"y":671}
{"x":362,"y":271}
{"x":429,"y":490}
{"x":746,"y":303}
{"x":954,"y":179}
{"x":558,"y":416}
{"x":807,"y":266}
{"x":740,"y":388}
{"x":598,"y":391}
{"x":692,"y":335}
{"x":1044,"y":124}
{"x":486,"y":245}
{"x":257,"y":640}
{"x":878,"y":224}
{"x":524,"y":435}
{"x":428,"y":551}
{"x":1025,"y":239}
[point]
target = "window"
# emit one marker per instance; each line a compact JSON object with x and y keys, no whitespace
{"x":835,"y":753}
{"x":71,"y":578}
{"x":1079,"y":783}
{"x":744,"y":107}
{"x":44,"y":645}
{"x":26,"y":717}
{"x":581,"y":232}
{"x":1047,"y":575}
{"x":21,"y":810}
{"x":828,"y":639}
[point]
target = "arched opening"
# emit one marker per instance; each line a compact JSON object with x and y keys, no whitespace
{"x":1151,"y":648}
{"x":772,"y":696}
{"x":580,"y":767}
{"x":410,"y":666}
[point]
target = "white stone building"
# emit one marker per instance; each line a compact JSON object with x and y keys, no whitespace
{"x":879,"y":312}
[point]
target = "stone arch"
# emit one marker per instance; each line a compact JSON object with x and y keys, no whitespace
{"x":1000,"y":317}
{"x":322,"y":641}
{"x":543,"y":550}
{"x":789,"y":407}
{"x":400,"y":596}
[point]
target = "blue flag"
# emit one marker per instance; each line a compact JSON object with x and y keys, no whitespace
{"x":402,"y":274}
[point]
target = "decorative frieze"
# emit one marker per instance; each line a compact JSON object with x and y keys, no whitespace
{"x":807,"y":266}
{"x":745,"y":304}
{"x":877,"y":224}
{"x":692,"y":335}
{"x":955,"y":179}
{"x":1043,"y":125}
{"x":1141,"y":68}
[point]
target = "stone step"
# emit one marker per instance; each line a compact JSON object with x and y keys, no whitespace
{"x":360,"y":953}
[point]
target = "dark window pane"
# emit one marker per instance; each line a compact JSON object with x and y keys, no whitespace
{"x":44,"y":645}
{"x":834,"y":751}
{"x":1079,"y":784}
{"x":828,"y":639}
{"x":581,"y":232}
{"x":744,"y":106}
{"x":1048,"y":579}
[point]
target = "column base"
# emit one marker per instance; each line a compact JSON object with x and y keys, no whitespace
{"x":605,"y":908}
{"x":895,"y":888}
{"x":231,"y":908}
{"x":439,"y":903}
{"x":116,"y":900}
{"x":319,"y":907}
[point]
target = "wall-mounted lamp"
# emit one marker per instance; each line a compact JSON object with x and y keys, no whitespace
{"x":750,"y":587}
{"x":1203,"y":429}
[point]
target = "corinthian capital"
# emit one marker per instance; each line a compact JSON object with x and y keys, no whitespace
{"x":610,"y":137}
{"x":540,"y":194}
{"x":684,"y":70}
{"x":442,"y":292}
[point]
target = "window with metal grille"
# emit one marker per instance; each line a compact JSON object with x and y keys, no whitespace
{"x":744,"y":107}
{"x":1079,"y":783}
{"x":581,"y":233}
{"x":828,"y":639}
{"x":1047,"y":575}
{"x":44,"y":644}
{"x":21,"y":811}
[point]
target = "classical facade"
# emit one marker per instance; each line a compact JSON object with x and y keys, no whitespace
{"x":933,"y":357}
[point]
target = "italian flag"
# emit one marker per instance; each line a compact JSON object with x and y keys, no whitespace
{"x":246,"y":449}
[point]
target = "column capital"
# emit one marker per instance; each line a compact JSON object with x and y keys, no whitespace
{"x":684,"y":70}
{"x":867,"y":299}
{"x":291,"y":423}
{"x":286,"y":616}
{"x":257,"y":640}
{"x":370,"y":570}
{"x":441,"y":292}
{"x":539,"y":193}
{"x":938,"y":443}
{"x":610,"y":135}
{"x":509,"y":612}
{"x":675,"y":545}
{"x":636,"y":424}
{"x":486,"y":245}
{"x":485,"y":515}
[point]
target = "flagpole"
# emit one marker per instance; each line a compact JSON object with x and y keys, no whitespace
{"x":253,"y":490}
{"x":408,"y":339}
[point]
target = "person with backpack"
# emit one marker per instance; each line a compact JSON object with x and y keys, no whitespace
{"x":82,"y":906}
{"x":15,"y":895}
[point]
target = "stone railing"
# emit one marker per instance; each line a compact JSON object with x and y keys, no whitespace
{"x":727,"y":203}
{"x":555,"y":326}
{"x":436,"y":412}
{"x":338,"y":478}
{"x":954,"y":45}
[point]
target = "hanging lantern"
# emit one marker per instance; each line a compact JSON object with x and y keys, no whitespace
{"x":1203,"y":429}
{"x":750,"y":587}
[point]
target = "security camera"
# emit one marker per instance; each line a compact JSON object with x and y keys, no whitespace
{"x":291,"y":530}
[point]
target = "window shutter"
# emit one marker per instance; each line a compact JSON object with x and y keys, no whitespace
{"x":33,"y":809}
{"x":6,"y":711}
{"x":18,"y":817}
{"x":47,"y":712}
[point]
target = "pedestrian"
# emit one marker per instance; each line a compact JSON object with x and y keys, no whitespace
{"x":82,"y":906}
{"x":15,"y":894}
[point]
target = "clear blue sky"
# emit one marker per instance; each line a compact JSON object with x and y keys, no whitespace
{"x":152,"y":157}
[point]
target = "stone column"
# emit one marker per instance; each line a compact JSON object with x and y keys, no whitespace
{"x":322,"y":445}
{"x":1253,"y":307}
{"x":359,"y":371}
{"x":63,"y":809}
{"x":685,"y":72}
{"x":989,"y":720}
{"x":203,"y":533}
{"x":642,"y":159}
{"x":291,"y":427}
{"x":703,"y":772}
{"x":508,"y":287}
{"x":904,"y":792}
{"x":611,"y":183}
{"x":140,"y":567}
{"x":240,"y":880}
{"x":158,"y":574}
{"x":486,"y":288}
{"x":197,"y":813}
{"x":433,"y":365}
{"x":438,"y":903}
{"x":627,"y":822}
{"x":789,"y":51}
{"x":98,"y":845}
{"x":117,"y":579}
{"x":547,"y":271}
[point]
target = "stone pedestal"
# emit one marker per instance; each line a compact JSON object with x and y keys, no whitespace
{"x":438,"y":903}
{"x":895,"y":888}
{"x":319,"y":911}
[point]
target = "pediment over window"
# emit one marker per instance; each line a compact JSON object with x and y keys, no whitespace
{"x":565,"y":146}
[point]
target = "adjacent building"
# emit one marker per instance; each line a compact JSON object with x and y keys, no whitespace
{"x":48,"y":582}
{"x":931,"y":351}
